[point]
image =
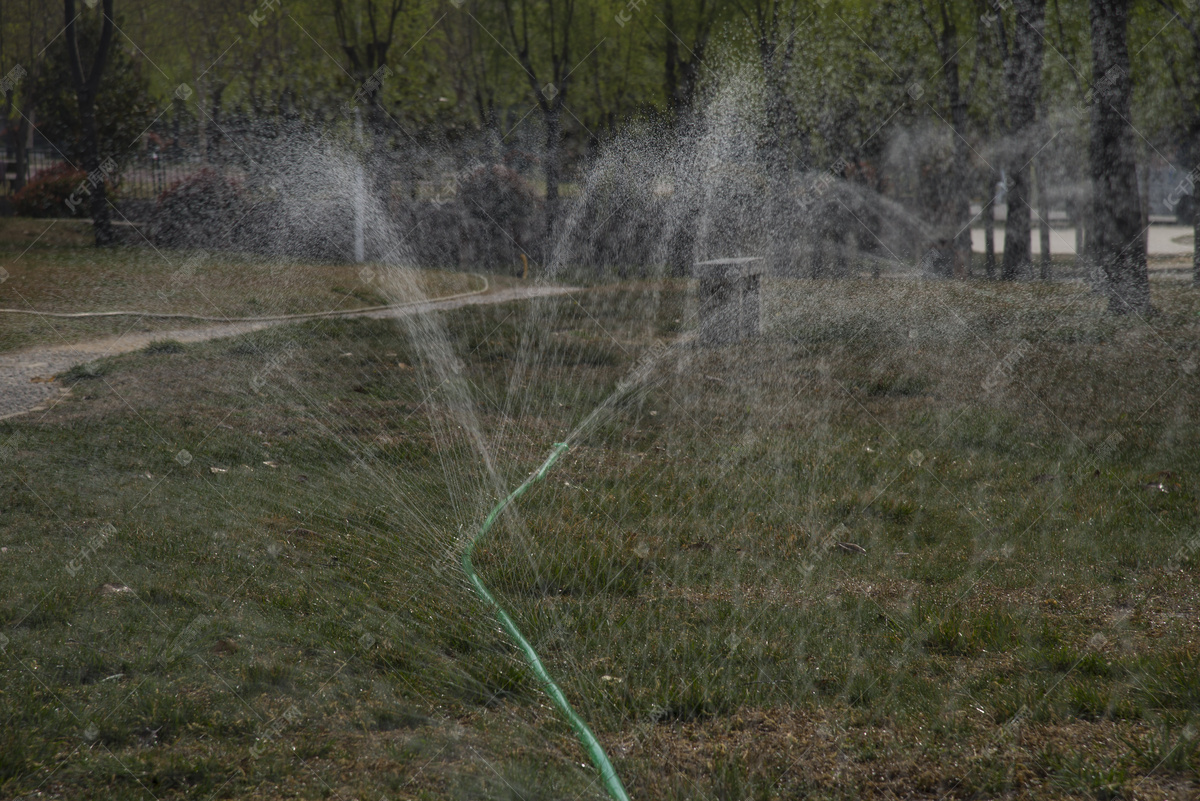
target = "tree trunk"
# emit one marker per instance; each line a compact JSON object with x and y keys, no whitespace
{"x":87,"y":85}
{"x":1196,"y":246}
{"x":959,"y":202}
{"x":1023,"y":83}
{"x":213,"y":142}
{"x":1043,"y":220}
{"x":101,"y":212}
{"x":671,"y":63}
{"x":1117,"y":241}
{"x":989,"y":227}
{"x":1143,"y":174}
{"x":1191,"y":206}
{"x":681,"y":71}
{"x":22,"y":165}
{"x":553,"y":118}
{"x":1075,"y":212}
{"x":1017,"y":231}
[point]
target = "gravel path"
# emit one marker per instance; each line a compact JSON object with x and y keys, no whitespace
{"x":27,"y":376}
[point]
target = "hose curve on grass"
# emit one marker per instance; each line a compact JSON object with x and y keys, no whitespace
{"x":276,"y":318}
{"x":608,"y":775}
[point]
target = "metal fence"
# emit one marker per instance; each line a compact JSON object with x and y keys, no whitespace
{"x":150,"y":174}
{"x":144,"y":177}
{"x":39,"y":161}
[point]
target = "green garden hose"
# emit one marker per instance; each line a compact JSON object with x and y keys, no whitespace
{"x":590,"y":744}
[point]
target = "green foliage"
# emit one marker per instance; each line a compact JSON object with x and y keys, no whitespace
{"x":200,"y":210}
{"x":89,"y":371}
{"x":167,"y":346}
{"x":842,"y":70}
{"x":124,"y":105}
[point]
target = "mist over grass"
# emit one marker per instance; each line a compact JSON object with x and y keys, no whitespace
{"x":1022,"y":610}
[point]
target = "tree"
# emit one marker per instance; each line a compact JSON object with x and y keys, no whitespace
{"x":1064,"y":159}
{"x":478,"y":68}
{"x":943,"y":28}
{"x":25,"y":30}
{"x":543,"y":27}
{"x":1022,"y":54}
{"x":366,"y":46}
{"x":1118,"y":242}
{"x":774,"y":25}
{"x":87,"y":84}
{"x":1182,"y":64}
{"x":682,"y":57}
{"x":209,"y":50}
{"x":123,"y":101}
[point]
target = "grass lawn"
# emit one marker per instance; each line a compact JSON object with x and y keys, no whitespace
{"x":47,"y":267}
{"x":231,"y":569}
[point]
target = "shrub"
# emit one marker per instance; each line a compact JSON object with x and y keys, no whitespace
{"x":46,"y":194}
{"x":502,"y":213}
{"x":205,"y":209}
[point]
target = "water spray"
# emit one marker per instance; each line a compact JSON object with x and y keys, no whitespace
{"x":360,"y":188}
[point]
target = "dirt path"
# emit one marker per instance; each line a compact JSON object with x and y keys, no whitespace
{"x":27,"y":376}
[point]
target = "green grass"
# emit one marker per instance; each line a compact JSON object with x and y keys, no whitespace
{"x":1021,"y":621}
{"x":46,"y":269}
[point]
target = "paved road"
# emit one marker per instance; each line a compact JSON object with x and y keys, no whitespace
{"x":1164,"y":240}
{"x":26,"y":376}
